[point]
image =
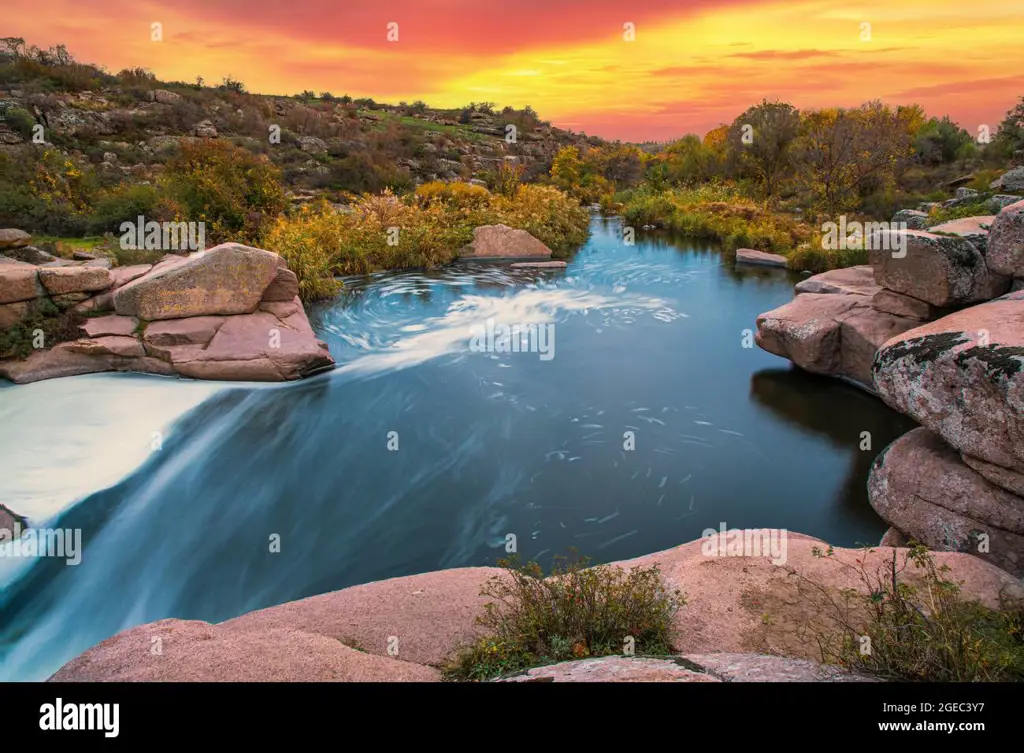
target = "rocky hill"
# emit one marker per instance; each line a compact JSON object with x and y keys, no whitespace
{"x":128,"y":125}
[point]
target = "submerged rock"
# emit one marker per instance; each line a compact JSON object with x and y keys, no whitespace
{"x":760,"y":258}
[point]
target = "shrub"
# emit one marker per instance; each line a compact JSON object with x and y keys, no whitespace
{"x":547,"y":214}
{"x":576,"y":612}
{"x":55,"y":324}
{"x":455,"y":194}
{"x":924,"y":631}
{"x":124,"y":203}
{"x":234,"y":192}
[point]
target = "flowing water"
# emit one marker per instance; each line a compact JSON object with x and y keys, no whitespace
{"x":651,"y":423}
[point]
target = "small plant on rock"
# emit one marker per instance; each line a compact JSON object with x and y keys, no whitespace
{"x":574,"y":613}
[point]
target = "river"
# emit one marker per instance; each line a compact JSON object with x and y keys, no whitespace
{"x":645,"y":420}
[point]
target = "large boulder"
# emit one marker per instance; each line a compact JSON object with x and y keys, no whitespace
{"x":834,"y":335}
{"x":224,"y":280}
{"x":76,"y":358}
{"x":1006,"y":241}
{"x":1011,"y":180}
{"x":943,"y":270}
{"x":920,"y":485}
{"x":1004,"y":478}
{"x":858,"y":280}
{"x":898,"y":304}
{"x":962,"y":376}
{"x":257,"y":347}
{"x":504,"y":242}
{"x":13,"y":238}
{"x":30,"y":255}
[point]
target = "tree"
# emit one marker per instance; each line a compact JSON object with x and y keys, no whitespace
{"x":760,"y":139}
{"x":687,"y":161}
{"x":567,"y":168}
{"x":14,"y":47}
{"x":844,"y":153}
{"x":939,"y":142}
{"x":1009,"y":138}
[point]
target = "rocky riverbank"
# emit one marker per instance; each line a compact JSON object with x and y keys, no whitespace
{"x":938,"y":333}
{"x":406,"y":629}
{"x":227,"y":313}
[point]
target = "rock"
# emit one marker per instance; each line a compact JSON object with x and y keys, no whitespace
{"x":736,"y":667}
{"x":893,"y":537}
{"x":966,"y":193}
{"x":62,"y":361}
{"x":940,"y":269}
{"x":435,"y":613}
{"x":1017,"y":286}
{"x":227,"y":279}
{"x":163,"y":96}
{"x":13,"y":238}
{"x":205,"y":129}
{"x":1006,"y":242}
{"x":503,"y":242}
{"x":196,"y":651}
{"x":121,"y":276}
{"x":1000,"y":201}
{"x":66,"y":300}
{"x":616,"y":669}
{"x":920,"y":485}
{"x":30,"y":255}
{"x":312,"y":145}
{"x":1004,"y":478}
{"x":256,"y":347}
{"x":284,"y":287}
{"x":102,"y":326}
{"x":164,"y":337}
{"x":912,"y":218}
{"x":19,"y":282}
{"x":114,"y":345}
{"x":849,"y":281}
{"x":834,"y":335}
{"x":539,"y":265}
{"x":962,"y":376}
{"x":898,"y":304}
{"x":974,"y":229}
{"x":102,"y":302}
{"x":8,"y":519}
{"x":760,"y":258}
{"x":13,"y":313}
{"x":1011,"y":180}
{"x":58,"y":280}
{"x":102,"y":262}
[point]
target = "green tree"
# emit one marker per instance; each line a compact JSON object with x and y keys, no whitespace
{"x":760,"y":140}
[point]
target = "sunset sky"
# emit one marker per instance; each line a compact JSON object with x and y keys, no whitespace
{"x":692,"y":64}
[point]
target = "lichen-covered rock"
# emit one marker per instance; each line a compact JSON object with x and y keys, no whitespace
{"x":912,"y":218}
{"x":227,"y":279}
{"x":920,"y":485}
{"x":943,"y":270}
{"x":1006,"y":242}
{"x":1011,"y":180}
{"x":974,"y":229}
{"x":962,"y":376}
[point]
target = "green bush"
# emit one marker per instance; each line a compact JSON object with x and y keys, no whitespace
{"x":46,"y":318}
{"x":575,"y":612}
{"x":924,"y":631}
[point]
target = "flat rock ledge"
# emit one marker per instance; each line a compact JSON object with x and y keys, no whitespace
{"x":720,"y":635}
{"x":723,"y":667}
{"x":227,"y":313}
